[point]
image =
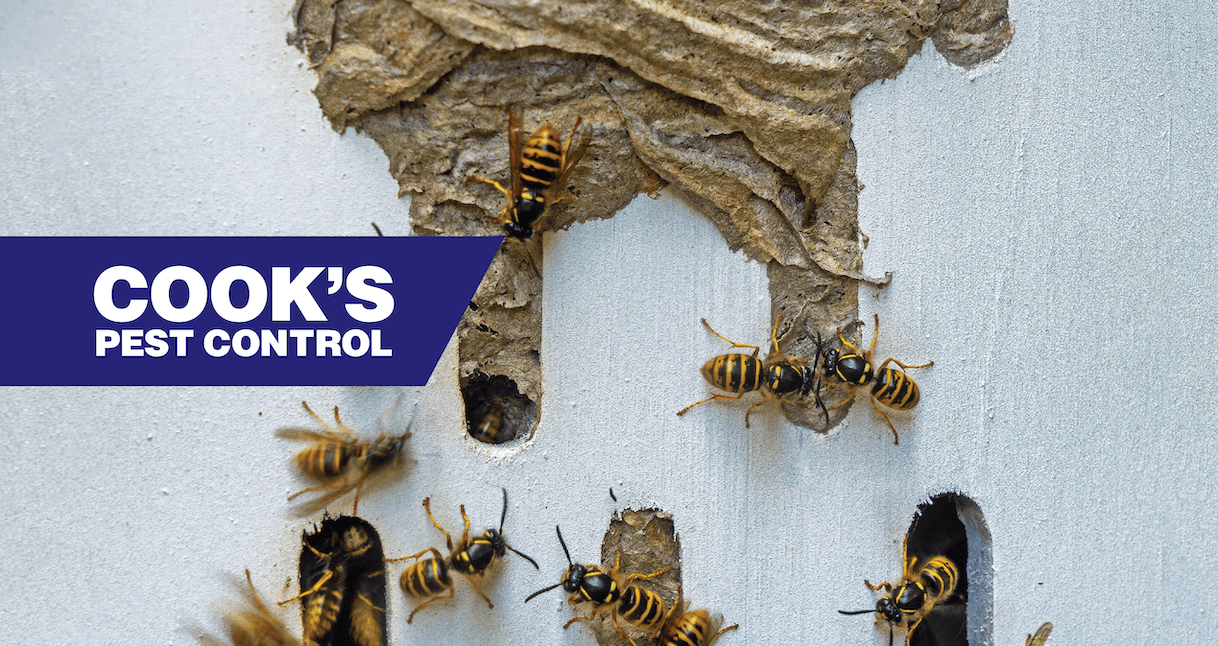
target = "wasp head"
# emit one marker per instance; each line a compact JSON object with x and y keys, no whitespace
{"x":888,"y":610}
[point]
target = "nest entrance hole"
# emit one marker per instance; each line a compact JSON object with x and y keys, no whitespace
{"x":952,"y":525}
{"x":496,"y":412}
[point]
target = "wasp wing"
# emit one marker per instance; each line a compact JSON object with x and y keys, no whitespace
{"x":309,"y":435}
{"x":577,"y":144}
{"x":1042,"y":634}
{"x":515,"y":146}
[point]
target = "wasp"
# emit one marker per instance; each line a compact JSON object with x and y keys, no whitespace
{"x":892,"y":388}
{"x":539,"y":169}
{"x":473,"y":557}
{"x":342,"y":584}
{"x":470,"y":557}
{"x":255,"y":626}
{"x":922,"y":587}
{"x":338,"y":458}
{"x":490,"y":428}
{"x":589,"y":584}
{"x":1041,"y":636}
{"x":367,"y":612}
{"x":692,"y":627}
{"x":740,"y":374}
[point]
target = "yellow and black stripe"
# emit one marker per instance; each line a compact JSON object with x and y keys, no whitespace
{"x":426,"y":578}
{"x":642,"y":608}
{"x":322,"y":607}
{"x":895,"y":389}
{"x":539,"y":163}
{"x":938,"y":578}
{"x":367,"y":619}
{"x":324,"y":460}
{"x":693,"y":628}
{"x":734,"y":373}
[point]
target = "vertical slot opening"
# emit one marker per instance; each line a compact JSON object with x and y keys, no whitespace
{"x":951,"y":525}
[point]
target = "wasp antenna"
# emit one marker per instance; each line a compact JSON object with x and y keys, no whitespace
{"x":542,"y":590}
{"x":532,"y":263}
{"x":378,"y":230}
{"x":856,"y":612}
{"x":503,"y":516}
{"x":526,"y":556}
{"x":564,"y":545}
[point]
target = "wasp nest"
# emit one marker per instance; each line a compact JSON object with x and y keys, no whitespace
{"x":743,"y":106}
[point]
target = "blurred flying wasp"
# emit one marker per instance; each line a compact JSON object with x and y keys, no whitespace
{"x":470,"y":557}
{"x":539,"y":169}
{"x":338,"y":458}
{"x":892,"y":388}
{"x":1041,"y":636}
{"x":740,"y":374}
{"x":490,"y":428}
{"x":588,"y":583}
{"x":342,"y":581}
{"x":920,"y":590}
{"x":253,"y":626}
{"x":692,"y":627}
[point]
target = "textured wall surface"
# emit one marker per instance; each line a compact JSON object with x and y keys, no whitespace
{"x":1050,"y":219}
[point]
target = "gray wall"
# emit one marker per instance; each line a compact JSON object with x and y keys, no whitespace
{"x":1049,"y":217}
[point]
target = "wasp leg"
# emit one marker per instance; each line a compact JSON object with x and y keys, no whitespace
{"x":474,"y":584}
{"x":774,"y":335}
{"x":448,"y":539}
{"x":621,"y":632}
{"x":885,"y":585}
{"x":846,"y":343}
{"x":633,"y":577}
{"x":503,"y":216}
{"x":316,"y":586}
{"x":843,"y":402}
{"x":903,"y":366}
{"x":765,"y":400}
{"x":452,"y":592}
{"x":734,"y":344}
{"x":688,"y":408}
{"x":909,"y":633}
{"x":590,"y":617}
{"x":875,"y":333}
{"x":491,"y":182}
{"x":415,"y":556}
{"x":464,"y":534}
{"x":896,"y":440}
{"x":731,"y":627}
{"x":668,"y":615}
{"x":360,"y":487}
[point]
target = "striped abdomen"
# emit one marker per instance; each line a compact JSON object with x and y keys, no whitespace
{"x":539,"y":166}
{"x":640,"y":607}
{"x":366,"y":618}
{"x":324,"y":459}
{"x":321,"y":608}
{"x":735,"y":373}
{"x":490,"y":429}
{"x":690,"y":629}
{"x":426,"y":578}
{"x":540,"y":159}
{"x":895,"y":389}
{"x":939,"y":578}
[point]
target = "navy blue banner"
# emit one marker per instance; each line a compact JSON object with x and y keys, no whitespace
{"x":233,"y":311}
